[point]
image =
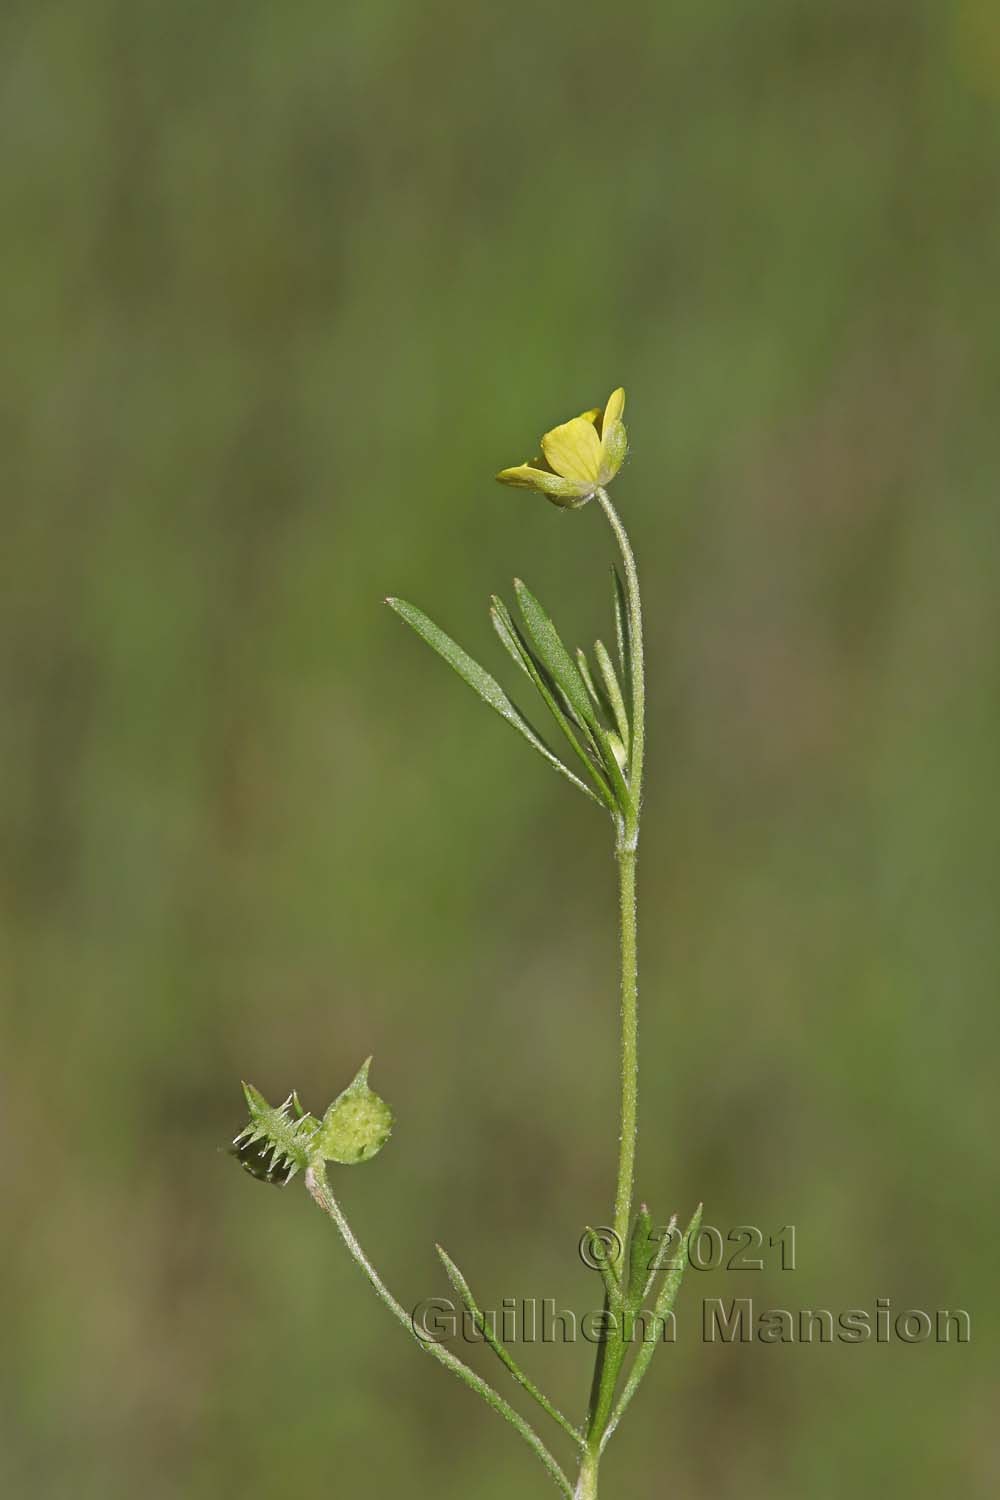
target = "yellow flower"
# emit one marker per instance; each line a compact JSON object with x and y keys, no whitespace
{"x":578,"y":457}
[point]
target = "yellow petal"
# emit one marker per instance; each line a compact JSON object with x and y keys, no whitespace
{"x":591,"y":416}
{"x":574,"y":450}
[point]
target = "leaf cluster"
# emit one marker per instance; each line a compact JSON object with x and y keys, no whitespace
{"x":588,"y":708}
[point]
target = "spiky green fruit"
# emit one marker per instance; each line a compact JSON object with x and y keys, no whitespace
{"x":278,"y":1142}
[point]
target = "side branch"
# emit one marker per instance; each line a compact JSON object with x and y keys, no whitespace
{"x":319,"y":1190}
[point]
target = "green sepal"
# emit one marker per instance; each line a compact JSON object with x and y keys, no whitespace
{"x":357,"y":1124}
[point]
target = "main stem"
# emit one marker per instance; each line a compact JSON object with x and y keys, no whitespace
{"x":629,"y":1046}
{"x":628,"y":838}
{"x":611,"y":1355}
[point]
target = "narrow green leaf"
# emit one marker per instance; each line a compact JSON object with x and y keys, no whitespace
{"x":513,"y":640}
{"x":662,"y":1255}
{"x":595,"y":688}
{"x":607,"y":1364}
{"x":319,"y":1189}
{"x":642,"y":1247}
{"x":608,"y":1273}
{"x":470,"y":671}
{"x":664,"y":1305}
{"x":565,"y":674}
{"x":642,"y":1250}
{"x":619,"y":785}
{"x":461,"y":1286}
{"x":610,"y":744}
{"x":481,"y":682}
{"x":555,"y":658}
{"x":623,"y":636}
{"x":613,"y":691}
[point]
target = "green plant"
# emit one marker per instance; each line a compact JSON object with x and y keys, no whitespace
{"x":601,"y":715}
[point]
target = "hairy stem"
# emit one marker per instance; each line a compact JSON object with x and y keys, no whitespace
{"x":611,"y":1355}
{"x":629,"y":1046}
{"x":586,"y":1483}
{"x":637,"y":746}
{"x":628,"y":838}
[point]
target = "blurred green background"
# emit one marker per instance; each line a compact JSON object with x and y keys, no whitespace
{"x":282,"y":287}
